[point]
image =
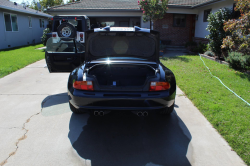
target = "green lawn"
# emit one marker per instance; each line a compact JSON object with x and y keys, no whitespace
{"x":17,"y":58}
{"x":227,"y":113}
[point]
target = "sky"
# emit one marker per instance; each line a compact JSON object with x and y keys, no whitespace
{"x":20,"y":1}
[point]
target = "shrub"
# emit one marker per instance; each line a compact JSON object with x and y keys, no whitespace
{"x":44,"y":37}
{"x":209,"y":53}
{"x":201,"y":48}
{"x":238,"y":61}
{"x":215,"y":28}
{"x":239,"y":39}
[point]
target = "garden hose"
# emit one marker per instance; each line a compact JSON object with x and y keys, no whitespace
{"x":224,"y":84}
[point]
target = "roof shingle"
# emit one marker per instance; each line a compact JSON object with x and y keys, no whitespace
{"x":10,"y":5}
{"x":120,"y":4}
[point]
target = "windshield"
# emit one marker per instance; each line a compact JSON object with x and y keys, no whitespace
{"x":64,"y":45}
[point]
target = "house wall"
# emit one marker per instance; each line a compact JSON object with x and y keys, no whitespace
{"x":116,"y":20}
{"x":177,"y":35}
{"x":24,"y":35}
{"x":200,"y":26}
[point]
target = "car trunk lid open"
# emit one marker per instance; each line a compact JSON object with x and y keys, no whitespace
{"x":138,"y":43}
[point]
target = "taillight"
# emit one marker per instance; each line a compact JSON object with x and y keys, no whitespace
{"x":81,"y":36}
{"x":83,"y":85}
{"x":159,"y":86}
{"x":54,"y":34}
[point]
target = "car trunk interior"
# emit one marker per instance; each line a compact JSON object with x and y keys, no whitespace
{"x":122,"y":75}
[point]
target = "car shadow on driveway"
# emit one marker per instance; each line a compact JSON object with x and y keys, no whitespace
{"x":56,"y":104}
{"x":129,"y":140}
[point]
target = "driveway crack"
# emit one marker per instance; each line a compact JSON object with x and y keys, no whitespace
{"x":20,"y":139}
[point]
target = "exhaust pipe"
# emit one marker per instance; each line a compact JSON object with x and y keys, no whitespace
{"x":145,"y":113}
{"x":101,"y":113}
{"x":96,"y":113}
{"x":139,"y":114}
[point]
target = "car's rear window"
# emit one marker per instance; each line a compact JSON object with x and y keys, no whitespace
{"x":122,"y":44}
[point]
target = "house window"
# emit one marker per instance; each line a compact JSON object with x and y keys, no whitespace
{"x":41,"y":23}
{"x":10,"y":22}
{"x":235,"y":14}
{"x":206,"y":13}
{"x":179,"y":20}
{"x":30,"y":22}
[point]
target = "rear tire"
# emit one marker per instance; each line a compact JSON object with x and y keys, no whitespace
{"x":49,"y":64}
{"x":74,"y":110}
{"x":166,"y":110}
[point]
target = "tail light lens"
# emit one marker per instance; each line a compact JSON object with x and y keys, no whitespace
{"x":81,"y":36}
{"x":83,"y":85}
{"x":54,"y":34}
{"x":159,"y":86}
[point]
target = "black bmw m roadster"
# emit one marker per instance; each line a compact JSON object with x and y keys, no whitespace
{"x":117,"y":69}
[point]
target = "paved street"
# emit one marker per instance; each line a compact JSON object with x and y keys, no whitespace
{"x":37,"y":128}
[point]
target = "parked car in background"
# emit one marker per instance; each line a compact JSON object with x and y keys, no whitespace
{"x":71,"y":26}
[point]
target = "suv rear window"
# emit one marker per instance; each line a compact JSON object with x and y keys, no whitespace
{"x":76,"y":23}
{"x":64,"y":45}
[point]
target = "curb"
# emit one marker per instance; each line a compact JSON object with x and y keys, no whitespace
{"x":216,"y":60}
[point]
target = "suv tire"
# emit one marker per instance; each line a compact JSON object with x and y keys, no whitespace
{"x":66,"y":30}
{"x":48,"y":63}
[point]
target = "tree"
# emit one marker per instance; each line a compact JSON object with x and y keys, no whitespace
{"x":33,"y":5}
{"x":70,"y":1}
{"x":153,"y":9}
{"x":215,"y":27}
{"x":50,"y":3}
{"x":45,"y":3}
{"x":26,"y":4}
{"x":239,"y":40}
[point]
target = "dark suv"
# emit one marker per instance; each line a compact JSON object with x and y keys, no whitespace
{"x":70,"y":26}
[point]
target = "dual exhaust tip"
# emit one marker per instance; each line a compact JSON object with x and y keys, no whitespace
{"x":99,"y":113}
{"x":145,"y":113}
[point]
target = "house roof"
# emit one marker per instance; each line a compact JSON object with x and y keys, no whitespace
{"x":8,"y":5}
{"x":121,"y":4}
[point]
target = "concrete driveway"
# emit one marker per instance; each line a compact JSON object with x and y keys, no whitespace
{"x":37,"y":128}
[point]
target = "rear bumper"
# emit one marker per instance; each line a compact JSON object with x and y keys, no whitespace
{"x":121,"y":100}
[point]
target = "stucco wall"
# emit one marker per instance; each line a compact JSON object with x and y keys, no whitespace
{"x":24,"y":35}
{"x":200,"y":26}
